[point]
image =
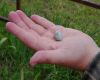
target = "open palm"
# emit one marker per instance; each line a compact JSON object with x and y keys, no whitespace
{"x":38,"y":33}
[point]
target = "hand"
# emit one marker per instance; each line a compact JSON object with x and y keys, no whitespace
{"x":76,"y":50}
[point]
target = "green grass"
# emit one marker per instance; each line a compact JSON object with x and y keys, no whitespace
{"x":14,"y":55}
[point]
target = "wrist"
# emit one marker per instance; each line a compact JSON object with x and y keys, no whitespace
{"x":93,"y":70}
{"x":92,"y":56}
{"x":89,"y":58}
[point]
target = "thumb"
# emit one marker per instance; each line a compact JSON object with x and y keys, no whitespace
{"x":44,"y":57}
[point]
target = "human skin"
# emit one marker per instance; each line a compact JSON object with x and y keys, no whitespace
{"x":76,"y":50}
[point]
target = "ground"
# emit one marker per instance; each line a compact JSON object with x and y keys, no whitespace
{"x":14,"y":55}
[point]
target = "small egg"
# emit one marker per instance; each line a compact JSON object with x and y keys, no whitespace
{"x":58,"y":36}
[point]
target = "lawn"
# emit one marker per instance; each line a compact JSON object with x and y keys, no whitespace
{"x":14,"y":55}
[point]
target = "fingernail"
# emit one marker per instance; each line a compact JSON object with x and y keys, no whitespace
{"x":32,"y":65}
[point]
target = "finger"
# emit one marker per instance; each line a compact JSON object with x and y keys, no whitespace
{"x":16,"y":19}
{"x":29,"y":39}
{"x":13,"y":28}
{"x":45,"y":57}
{"x":43,"y":22}
{"x":30,"y":23}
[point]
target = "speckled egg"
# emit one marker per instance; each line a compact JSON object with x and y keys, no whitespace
{"x":58,"y":36}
